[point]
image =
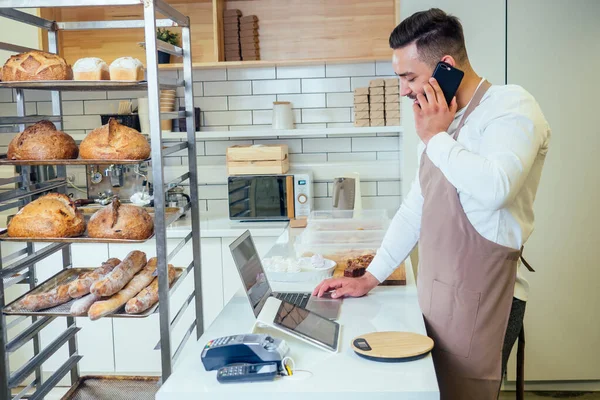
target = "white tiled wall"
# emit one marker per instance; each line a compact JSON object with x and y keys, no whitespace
{"x":241,"y":99}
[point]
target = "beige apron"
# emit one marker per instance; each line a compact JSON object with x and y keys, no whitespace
{"x":465,"y":285}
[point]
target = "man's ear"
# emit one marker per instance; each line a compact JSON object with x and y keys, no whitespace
{"x":449,"y":60}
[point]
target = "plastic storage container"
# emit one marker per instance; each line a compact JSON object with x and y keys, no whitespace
{"x":349,"y":237}
{"x":349,"y":220}
{"x":332,"y":251}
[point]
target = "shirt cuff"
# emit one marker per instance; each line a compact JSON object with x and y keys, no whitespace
{"x":379,"y":269}
{"x":439,"y":147}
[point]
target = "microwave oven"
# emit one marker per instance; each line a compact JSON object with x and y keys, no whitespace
{"x":269,"y":197}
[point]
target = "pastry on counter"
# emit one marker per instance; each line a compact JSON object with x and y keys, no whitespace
{"x":91,"y":69}
{"x":42,"y":141}
{"x":53,"y":215}
{"x":134,"y":286}
{"x":126,"y":69}
{"x":356,"y":267}
{"x":121,"y":275}
{"x":114,"y":141}
{"x":121,"y":221}
{"x":36,"y":66}
{"x":148,"y":296}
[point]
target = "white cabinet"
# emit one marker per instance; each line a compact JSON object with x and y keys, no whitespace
{"x":553,"y":53}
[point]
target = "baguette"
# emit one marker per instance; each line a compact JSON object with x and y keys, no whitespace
{"x":149,"y":296}
{"x":53,"y":298}
{"x":83,"y":304}
{"x":120,"y":276}
{"x":81,"y":287}
{"x":140,"y":281}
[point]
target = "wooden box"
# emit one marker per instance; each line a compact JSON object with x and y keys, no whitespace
{"x":376,"y":91}
{"x":377,"y":83}
{"x":375,"y":99}
{"x":363,"y":91}
{"x":361,"y":123}
{"x":258,"y":167}
{"x":377,"y":107}
{"x":377,"y":122}
{"x":256,"y":160}
{"x":376,"y":114}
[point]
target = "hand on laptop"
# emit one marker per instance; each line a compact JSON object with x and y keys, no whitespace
{"x":350,"y":287}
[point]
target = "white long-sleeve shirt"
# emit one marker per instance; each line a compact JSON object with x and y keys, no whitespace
{"x":495,"y":165}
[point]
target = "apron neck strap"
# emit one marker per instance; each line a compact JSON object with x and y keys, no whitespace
{"x":475,"y":100}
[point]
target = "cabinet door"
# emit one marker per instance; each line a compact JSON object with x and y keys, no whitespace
{"x":553,"y":53}
{"x":135,"y":338}
{"x":231,"y":278}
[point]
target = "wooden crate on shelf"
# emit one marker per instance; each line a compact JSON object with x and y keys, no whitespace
{"x":256,"y":160}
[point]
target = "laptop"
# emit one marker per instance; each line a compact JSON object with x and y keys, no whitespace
{"x":258,"y":290}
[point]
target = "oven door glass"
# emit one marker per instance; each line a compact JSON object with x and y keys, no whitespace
{"x":258,"y":197}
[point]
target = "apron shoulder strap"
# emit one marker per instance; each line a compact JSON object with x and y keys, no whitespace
{"x":475,"y":100}
{"x":525,"y":263}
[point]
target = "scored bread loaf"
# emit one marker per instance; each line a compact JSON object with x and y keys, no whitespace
{"x":90,"y":69}
{"x":53,"y":215}
{"x":36,"y":66}
{"x":114,"y":141}
{"x":53,"y":298}
{"x":137,"y":283}
{"x":42,"y":141}
{"x":121,"y":221}
{"x":126,"y":69}
{"x":81,"y":287}
{"x":121,"y":275}
{"x":149,"y":296}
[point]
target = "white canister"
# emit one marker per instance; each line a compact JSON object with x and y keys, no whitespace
{"x":144,"y":115}
{"x":283,"y":117}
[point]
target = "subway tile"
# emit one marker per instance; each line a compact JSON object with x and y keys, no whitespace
{"x":213,"y":103}
{"x":68,"y":108}
{"x":218,"y":206}
{"x":227,"y":118}
{"x":323,"y":203}
{"x":200,"y":148}
{"x":6,"y":96}
{"x":35,"y":95}
{"x":389,"y":203}
{"x":340,"y":99}
{"x":84,"y":96}
{"x":366,"y":156}
{"x":172,"y":75}
{"x":340,"y":125}
{"x":264,"y":102}
{"x":210,"y":74}
{"x":213,"y":129}
{"x":276,"y":86}
{"x":305,"y":158}
{"x":266,"y":116}
{"x":227,"y":88}
{"x":240,"y":74}
{"x":219,"y":147}
{"x":251,"y":127}
{"x":198,"y":90}
{"x":294,"y":145}
{"x":313,"y":100}
{"x":320,"y":189}
{"x":375,"y":144}
{"x":326,"y":115}
{"x":301,"y":71}
{"x":368,"y":188}
{"x":125,"y":95}
{"x":325,"y":85}
{"x":391,"y":188}
{"x":172,"y":161}
{"x":388,"y":155}
{"x":10,"y":109}
{"x":361,"y":82}
{"x":87,"y":122}
{"x":211,"y":160}
{"x":329,"y":145}
{"x":101,"y":106}
{"x":358,"y":69}
{"x":202,"y":205}
{"x":213,"y":192}
{"x":311,"y":126}
{"x":384,"y":68}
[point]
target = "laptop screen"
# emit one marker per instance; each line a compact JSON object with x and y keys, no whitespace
{"x":251,"y":271}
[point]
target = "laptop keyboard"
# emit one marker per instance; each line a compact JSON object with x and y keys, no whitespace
{"x":297,"y":299}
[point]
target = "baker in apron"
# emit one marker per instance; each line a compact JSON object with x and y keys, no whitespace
{"x":470,"y":209}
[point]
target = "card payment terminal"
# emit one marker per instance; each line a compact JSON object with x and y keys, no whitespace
{"x":243,"y":349}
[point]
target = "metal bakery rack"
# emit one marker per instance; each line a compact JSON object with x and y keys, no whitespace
{"x":20,"y":266}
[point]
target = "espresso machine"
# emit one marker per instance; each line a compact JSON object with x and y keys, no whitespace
{"x":130,"y":183}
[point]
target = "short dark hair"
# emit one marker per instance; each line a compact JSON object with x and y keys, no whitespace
{"x":435,"y":33}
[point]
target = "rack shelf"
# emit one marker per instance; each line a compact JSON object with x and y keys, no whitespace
{"x":87,"y":86}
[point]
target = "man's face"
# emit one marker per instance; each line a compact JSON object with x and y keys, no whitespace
{"x":413,"y":72}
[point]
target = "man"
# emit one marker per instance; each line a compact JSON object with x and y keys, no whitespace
{"x":470,"y":208}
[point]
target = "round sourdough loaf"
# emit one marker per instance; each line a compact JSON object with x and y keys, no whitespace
{"x":114,"y":141}
{"x":42,"y":141}
{"x":36,"y":66}
{"x":121,"y":221}
{"x":53,"y":215}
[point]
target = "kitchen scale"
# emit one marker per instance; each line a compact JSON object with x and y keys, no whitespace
{"x":392,"y":346}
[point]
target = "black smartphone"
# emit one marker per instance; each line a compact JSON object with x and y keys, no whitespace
{"x":449,"y":79}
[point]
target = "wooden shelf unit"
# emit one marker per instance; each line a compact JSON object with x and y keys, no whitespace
{"x":293,"y":32}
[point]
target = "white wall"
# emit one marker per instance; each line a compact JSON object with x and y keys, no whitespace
{"x":18,"y":33}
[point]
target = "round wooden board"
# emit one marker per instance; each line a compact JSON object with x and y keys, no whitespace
{"x":392,"y":346}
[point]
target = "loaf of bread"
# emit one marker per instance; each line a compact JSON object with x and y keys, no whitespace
{"x":53,"y":298}
{"x":121,"y":221}
{"x":36,"y":66}
{"x":53,"y":215}
{"x":149,"y":296}
{"x":120,"y":276}
{"x":42,"y":141}
{"x":114,"y":141}
{"x":137,"y":283}
{"x":82,"y":305}
{"x":126,"y":69}
{"x":81,"y":287}
{"x":91,"y":69}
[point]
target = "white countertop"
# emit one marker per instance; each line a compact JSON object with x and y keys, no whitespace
{"x":340,"y":376}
